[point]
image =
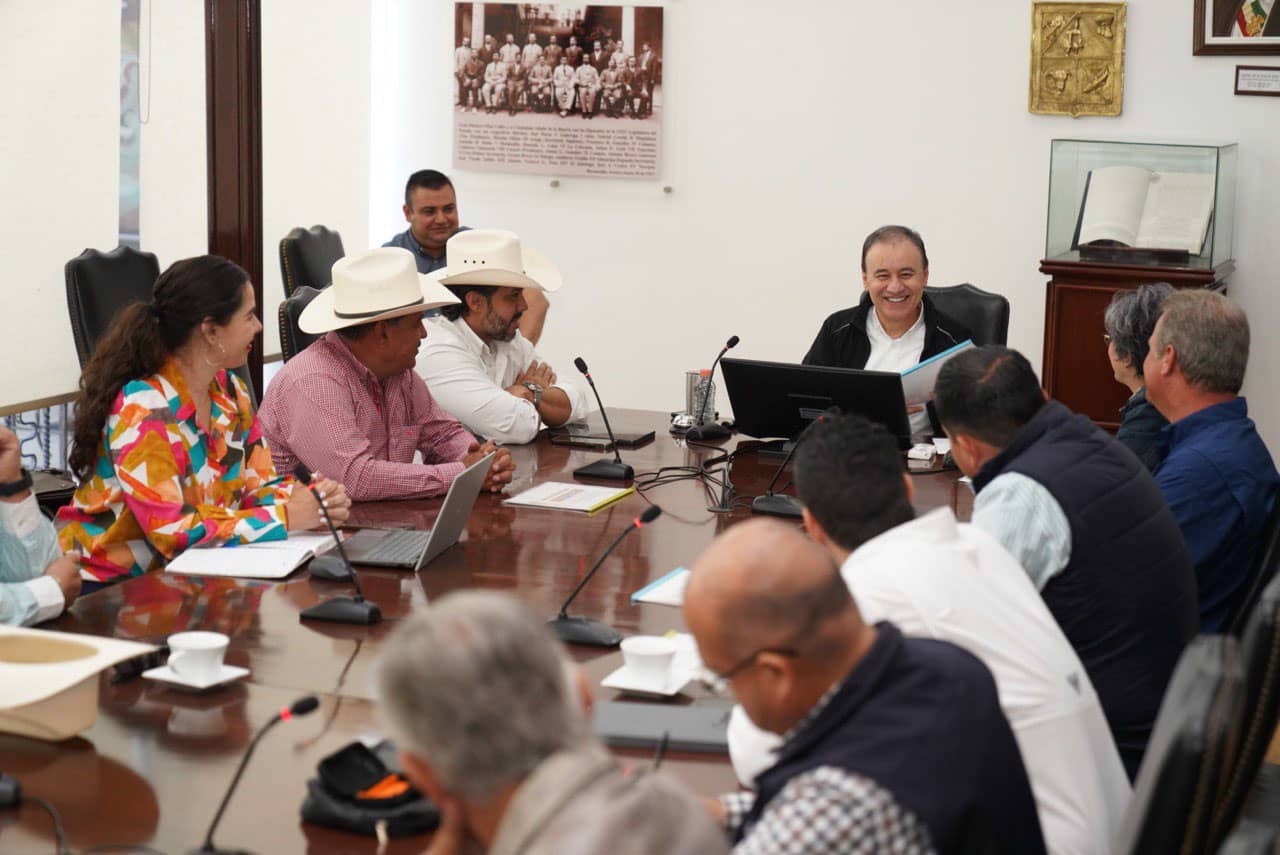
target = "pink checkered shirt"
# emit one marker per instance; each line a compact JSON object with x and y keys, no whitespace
{"x":327,"y":410}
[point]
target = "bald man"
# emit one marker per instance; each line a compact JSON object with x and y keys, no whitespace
{"x":887,"y":742}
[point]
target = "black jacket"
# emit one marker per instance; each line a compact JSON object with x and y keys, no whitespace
{"x":842,"y":342}
{"x":1127,"y":598}
{"x":921,"y":719}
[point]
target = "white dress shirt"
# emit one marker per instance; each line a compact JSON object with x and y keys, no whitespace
{"x":936,"y":578}
{"x":898,"y":354}
{"x":28,"y":544}
{"x":1028,"y":521}
{"x":470,"y":379}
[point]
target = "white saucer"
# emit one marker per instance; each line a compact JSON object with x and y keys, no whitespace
{"x":165,"y":674}
{"x":625,"y":680}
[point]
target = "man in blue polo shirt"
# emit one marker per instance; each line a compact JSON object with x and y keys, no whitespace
{"x":1218,"y":477}
{"x":431,"y":210}
{"x":888,"y":743}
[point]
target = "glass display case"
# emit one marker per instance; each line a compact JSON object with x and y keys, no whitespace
{"x":1161,"y":205}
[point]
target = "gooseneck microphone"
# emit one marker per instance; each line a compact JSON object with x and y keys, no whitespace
{"x":302,"y":706}
{"x":610,"y":470}
{"x":582,"y":630}
{"x":712,"y":430}
{"x":779,"y":504}
{"x":339,"y":609}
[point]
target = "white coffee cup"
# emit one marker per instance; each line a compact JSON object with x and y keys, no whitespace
{"x":649,"y":657}
{"x":197,"y":656}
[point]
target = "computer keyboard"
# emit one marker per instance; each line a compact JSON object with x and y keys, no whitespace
{"x":399,"y":547}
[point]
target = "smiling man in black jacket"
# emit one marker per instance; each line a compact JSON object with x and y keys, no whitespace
{"x":904,"y":327}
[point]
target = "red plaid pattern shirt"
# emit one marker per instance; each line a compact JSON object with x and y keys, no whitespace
{"x":327,"y":410}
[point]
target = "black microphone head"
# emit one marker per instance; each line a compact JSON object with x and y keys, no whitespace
{"x":581,"y":364}
{"x":302,"y":473}
{"x":650,"y":514}
{"x":304,"y":706}
{"x":731,"y":343}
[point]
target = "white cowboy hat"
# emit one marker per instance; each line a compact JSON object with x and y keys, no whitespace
{"x":50,"y":679}
{"x":495,"y":257}
{"x":377,"y":285}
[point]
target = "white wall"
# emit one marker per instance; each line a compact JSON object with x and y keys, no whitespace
{"x":59,"y":170}
{"x":172,"y":165}
{"x":315,"y":130}
{"x":780,"y":168}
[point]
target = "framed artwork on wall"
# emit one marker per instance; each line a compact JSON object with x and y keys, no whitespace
{"x":1240,"y":27}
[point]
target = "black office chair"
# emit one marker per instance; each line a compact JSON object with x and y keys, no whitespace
{"x":1263,"y":571}
{"x":1182,"y":773}
{"x":100,"y":284}
{"x":292,"y":339}
{"x":985,"y":314}
{"x":1252,"y":838}
{"x":1260,"y":657}
{"x":307,"y":257}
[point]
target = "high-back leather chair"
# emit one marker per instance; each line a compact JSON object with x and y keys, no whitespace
{"x":307,"y":257}
{"x":99,"y":285}
{"x":292,"y":339}
{"x":1263,"y":571}
{"x":985,"y":314}
{"x":1182,"y":773}
{"x":1260,"y":656}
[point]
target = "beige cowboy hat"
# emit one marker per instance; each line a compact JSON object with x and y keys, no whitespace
{"x":495,"y":257}
{"x":377,"y":285}
{"x":50,"y":679}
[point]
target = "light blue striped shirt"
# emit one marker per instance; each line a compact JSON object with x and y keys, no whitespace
{"x":27,"y":545}
{"x":1028,"y":521}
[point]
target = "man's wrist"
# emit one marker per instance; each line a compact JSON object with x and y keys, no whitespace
{"x":15,"y":487}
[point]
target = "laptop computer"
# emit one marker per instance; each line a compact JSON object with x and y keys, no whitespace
{"x":417,"y":549}
{"x":591,"y":433}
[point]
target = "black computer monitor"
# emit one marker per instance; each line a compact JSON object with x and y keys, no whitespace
{"x":778,"y":399}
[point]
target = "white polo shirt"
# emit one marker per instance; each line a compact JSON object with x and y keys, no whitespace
{"x":936,"y":578}
{"x":470,"y":378}
{"x":898,"y":354}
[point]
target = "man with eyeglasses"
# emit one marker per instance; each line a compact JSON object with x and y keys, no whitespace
{"x":889,"y":743}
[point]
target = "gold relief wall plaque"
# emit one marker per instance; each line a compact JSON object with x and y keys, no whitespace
{"x":1077,"y":58}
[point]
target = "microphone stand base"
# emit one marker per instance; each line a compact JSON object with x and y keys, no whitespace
{"x":608,"y":470}
{"x":776,"y":505}
{"x":582,"y":630}
{"x":711,"y":430}
{"x":344,"y":610}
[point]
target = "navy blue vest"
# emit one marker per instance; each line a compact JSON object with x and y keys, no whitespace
{"x":921,"y":719}
{"x":1127,"y":598}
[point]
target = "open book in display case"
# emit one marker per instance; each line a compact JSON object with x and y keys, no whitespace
{"x":1122,"y":214}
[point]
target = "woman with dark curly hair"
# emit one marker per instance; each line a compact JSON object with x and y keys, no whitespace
{"x":1129,"y":322}
{"x":167,"y":447}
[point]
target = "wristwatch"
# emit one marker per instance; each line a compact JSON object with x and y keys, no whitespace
{"x":537,"y":393}
{"x":13,"y":488}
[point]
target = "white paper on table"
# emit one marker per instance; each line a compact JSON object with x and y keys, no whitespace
{"x":667,"y":591}
{"x":942,"y":444}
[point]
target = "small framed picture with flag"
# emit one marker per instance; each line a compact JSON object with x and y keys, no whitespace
{"x":1240,"y":27}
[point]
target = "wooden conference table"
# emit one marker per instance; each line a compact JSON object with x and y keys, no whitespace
{"x":154,"y":766}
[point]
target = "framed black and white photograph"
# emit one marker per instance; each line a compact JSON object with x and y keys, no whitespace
{"x":558,"y":89}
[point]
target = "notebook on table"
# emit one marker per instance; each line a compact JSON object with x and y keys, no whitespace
{"x":417,"y":549}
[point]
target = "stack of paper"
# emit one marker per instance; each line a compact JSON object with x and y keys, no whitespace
{"x":272,"y":559}
{"x":559,"y":496}
{"x":918,"y":380}
{"x":667,"y":591}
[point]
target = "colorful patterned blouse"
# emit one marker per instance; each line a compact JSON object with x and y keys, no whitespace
{"x":162,"y":484}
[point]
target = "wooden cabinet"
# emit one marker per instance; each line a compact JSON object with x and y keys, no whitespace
{"x":1076,"y":369}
